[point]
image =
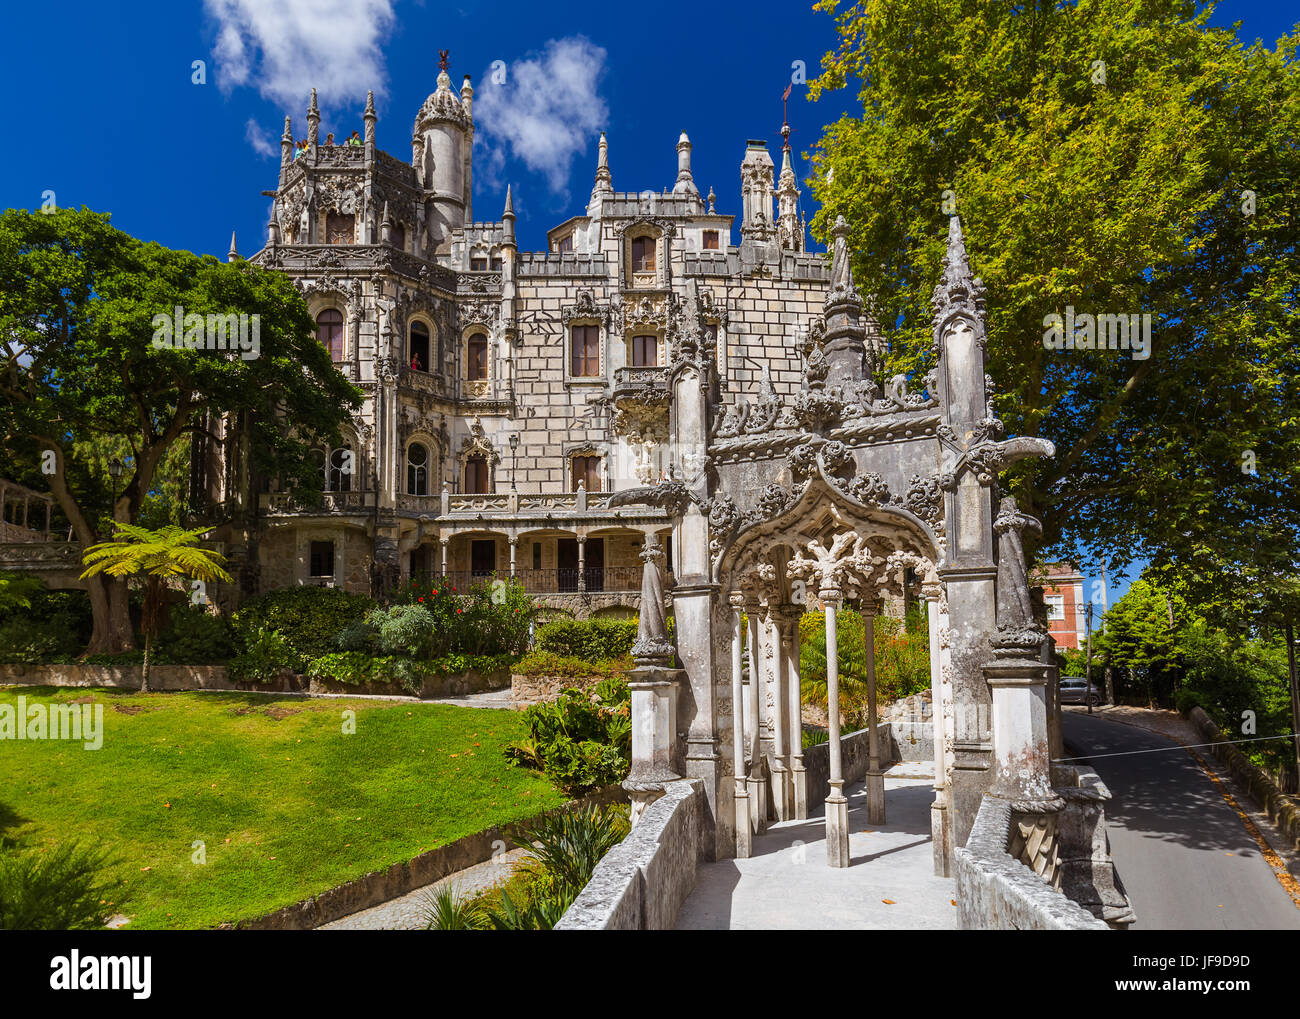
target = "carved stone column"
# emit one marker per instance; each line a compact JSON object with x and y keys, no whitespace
{"x":757,"y":769}
{"x":940,"y":819}
{"x":513,"y":541}
{"x":788,"y":627}
{"x":442,"y":548}
{"x":780,"y":702}
{"x":582,"y":564}
{"x":875,"y":778}
{"x":654,"y":686}
{"x":837,"y":805}
{"x":744,"y":833}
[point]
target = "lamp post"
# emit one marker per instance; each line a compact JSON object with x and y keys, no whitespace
{"x":115,"y":471}
{"x":514,"y":449}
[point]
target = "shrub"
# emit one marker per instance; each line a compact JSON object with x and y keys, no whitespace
{"x":408,"y":630}
{"x":308,"y":618}
{"x":44,"y":626}
{"x":267,"y":656}
{"x":591,"y":639}
{"x":59,"y":889}
{"x":356,"y":668}
{"x":490,"y":618}
{"x":548,"y":663}
{"x":583,"y":741}
{"x":194,"y":636}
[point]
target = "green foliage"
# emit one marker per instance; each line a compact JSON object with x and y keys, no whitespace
{"x":308,"y":618}
{"x":53,"y":627}
{"x":267,"y":655}
{"x":408,"y":630}
{"x":589,"y":639}
{"x":357,"y":668}
{"x":446,"y":910}
{"x":548,"y":663}
{"x":195,"y":636}
{"x":1122,"y":196}
{"x":902,"y":660}
{"x":58,"y":889}
{"x":582,"y":741}
{"x":490,"y":618}
{"x":17,"y":591}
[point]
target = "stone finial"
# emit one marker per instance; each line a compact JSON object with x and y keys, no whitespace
{"x":370,"y":105}
{"x":604,"y":186}
{"x":510,"y":205}
{"x":958,"y":290}
{"x":233,"y":253}
{"x":712,"y":200}
{"x":286,"y":144}
{"x":685,"y":182}
{"x":313,"y":120}
{"x":386,"y":226}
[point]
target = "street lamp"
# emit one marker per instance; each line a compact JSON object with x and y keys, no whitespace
{"x":115,"y":470}
{"x":514,"y":449}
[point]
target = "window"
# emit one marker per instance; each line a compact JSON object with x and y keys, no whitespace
{"x":397,"y":236}
{"x":476,"y":358}
{"x":478,"y":265}
{"x":338,"y":228}
{"x":322,"y":559}
{"x":711,"y":337}
{"x":643,"y":254}
{"x":476,"y":475}
{"x":585,"y":360}
{"x":329,"y":331}
{"x":341,"y":467}
{"x":419,"y":347}
{"x":645,"y":351}
{"x":710,"y":240}
{"x":417,"y":469}
{"x":494,"y":264}
{"x":565,"y":244}
{"x":537,"y":555}
{"x":1055,"y":606}
{"x":586,"y":469}
{"x":482,"y":557}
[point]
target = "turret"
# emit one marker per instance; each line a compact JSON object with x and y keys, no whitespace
{"x":757,"y":230}
{"x":286,"y":150}
{"x":789,"y":223}
{"x":233,"y":253}
{"x":685,"y":182}
{"x":845,"y":338}
{"x":604,"y":186}
{"x":441,"y":145}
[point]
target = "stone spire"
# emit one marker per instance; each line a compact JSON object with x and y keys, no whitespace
{"x":386,"y":226}
{"x":958,"y":290}
{"x":508,"y":218}
{"x":685,"y":182}
{"x":369,"y":117}
{"x":286,"y":144}
{"x":604,"y":186}
{"x":313,"y":123}
{"x":789,"y":225}
{"x":233,"y":253}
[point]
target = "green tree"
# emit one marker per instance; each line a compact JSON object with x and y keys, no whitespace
{"x":1142,"y":633}
{"x":1115,"y":157}
{"x":158,"y":557}
{"x":81,"y":378}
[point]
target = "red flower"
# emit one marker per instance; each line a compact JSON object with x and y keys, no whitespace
{"x":419,"y":599}
{"x":458,"y":612}
{"x":435,"y":591}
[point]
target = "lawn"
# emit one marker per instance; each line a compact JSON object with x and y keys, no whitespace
{"x":285,"y":803}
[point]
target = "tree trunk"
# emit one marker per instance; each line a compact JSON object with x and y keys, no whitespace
{"x":1110,"y":685}
{"x":144,"y":676}
{"x":111,"y":630}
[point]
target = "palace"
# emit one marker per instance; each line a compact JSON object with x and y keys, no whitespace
{"x":508,"y":393}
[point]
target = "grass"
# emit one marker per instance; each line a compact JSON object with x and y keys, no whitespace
{"x":285,"y":803}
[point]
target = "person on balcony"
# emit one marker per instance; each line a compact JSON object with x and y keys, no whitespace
{"x":355,"y":139}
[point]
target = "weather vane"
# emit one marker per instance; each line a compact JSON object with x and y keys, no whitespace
{"x":442,"y":59}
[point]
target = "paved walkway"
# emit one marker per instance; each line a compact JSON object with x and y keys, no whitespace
{"x":408,"y":912}
{"x":890,"y":884}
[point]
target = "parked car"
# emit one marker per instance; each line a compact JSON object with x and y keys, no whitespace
{"x":1077,"y":690}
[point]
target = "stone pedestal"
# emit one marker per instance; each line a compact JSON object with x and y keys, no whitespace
{"x":837,"y":826}
{"x":799,"y":789}
{"x":1022,"y":762}
{"x":654,"y":734}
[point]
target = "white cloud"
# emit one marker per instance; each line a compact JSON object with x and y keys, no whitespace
{"x":257,"y":138}
{"x":546,"y":111}
{"x":286,"y":47}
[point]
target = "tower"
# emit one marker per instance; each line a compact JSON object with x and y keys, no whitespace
{"x":757,"y":231}
{"x":441,"y":147}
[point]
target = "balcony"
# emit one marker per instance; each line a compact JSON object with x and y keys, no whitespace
{"x":641,"y":404}
{"x":284,"y":504}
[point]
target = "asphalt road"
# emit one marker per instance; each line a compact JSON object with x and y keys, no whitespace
{"x":1186,"y":859}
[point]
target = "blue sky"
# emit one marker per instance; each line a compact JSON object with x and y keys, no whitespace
{"x":102,"y":110}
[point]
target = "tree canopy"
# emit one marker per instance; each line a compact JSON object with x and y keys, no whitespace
{"x":1113,"y":158}
{"x":82,"y":374}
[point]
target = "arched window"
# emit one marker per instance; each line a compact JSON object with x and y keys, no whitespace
{"x":339,"y":227}
{"x":342,"y":465}
{"x":329,"y":331}
{"x":476,"y":358}
{"x":419,"y":347}
{"x":643,"y":254}
{"x":476,"y":475}
{"x":417,"y":469}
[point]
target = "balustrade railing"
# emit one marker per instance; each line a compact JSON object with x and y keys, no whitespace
{"x":568,"y":580}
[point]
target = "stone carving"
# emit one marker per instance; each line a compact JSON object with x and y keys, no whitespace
{"x":925,"y":498}
{"x":1018,"y":631}
{"x":584,"y":308}
{"x":653,"y":646}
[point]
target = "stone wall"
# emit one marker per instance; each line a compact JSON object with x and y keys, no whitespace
{"x":526,"y":690}
{"x":996,"y":892}
{"x":853,"y":759}
{"x":643,"y":881}
{"x":214,"y":677}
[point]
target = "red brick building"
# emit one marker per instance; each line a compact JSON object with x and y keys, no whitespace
{"x":1066,"y":608}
